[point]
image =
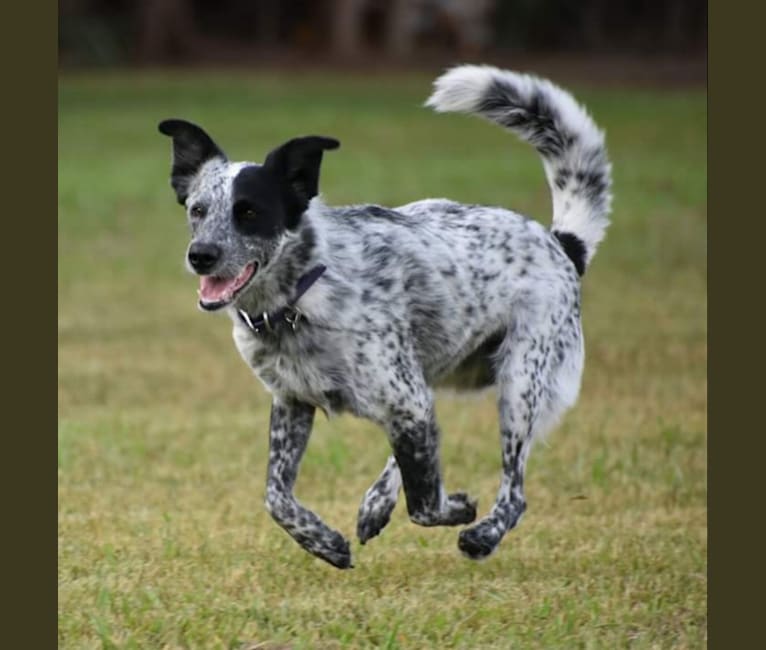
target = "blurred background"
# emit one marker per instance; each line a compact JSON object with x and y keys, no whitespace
{"x":163,"y":541}
{"x":375,"y":32}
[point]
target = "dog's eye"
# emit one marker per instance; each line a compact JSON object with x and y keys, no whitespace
{"x":244,"y":211}
{"x":197,"y":211}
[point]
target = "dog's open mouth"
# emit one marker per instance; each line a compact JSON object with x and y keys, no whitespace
{"x":215,"y":292}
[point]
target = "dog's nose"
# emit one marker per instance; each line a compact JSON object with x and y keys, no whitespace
{"x":204,"y":256}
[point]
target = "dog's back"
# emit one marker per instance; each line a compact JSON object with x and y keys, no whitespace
{"x":452,"y":276}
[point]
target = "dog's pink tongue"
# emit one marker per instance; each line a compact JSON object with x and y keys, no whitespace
{"x":215,"y":289}
{"x":212,"y":289}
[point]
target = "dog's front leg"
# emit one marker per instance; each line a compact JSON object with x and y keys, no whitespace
{"x":291,"y":422}
{"x":379,"y":502}
{"x":415,"y":441}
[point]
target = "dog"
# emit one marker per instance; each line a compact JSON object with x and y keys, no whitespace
{"x":363,"y":308}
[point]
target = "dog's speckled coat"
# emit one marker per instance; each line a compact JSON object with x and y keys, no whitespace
{"x":409,"y":295}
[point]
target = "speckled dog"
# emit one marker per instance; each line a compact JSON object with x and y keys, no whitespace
{"x":363,"y":308}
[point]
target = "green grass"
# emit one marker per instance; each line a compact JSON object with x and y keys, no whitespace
{"x":163,"y":538}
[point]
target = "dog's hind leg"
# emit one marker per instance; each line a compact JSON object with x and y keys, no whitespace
{"x":528,"y":405}
{"x":379,"y":502}
{"x":291,"y":423}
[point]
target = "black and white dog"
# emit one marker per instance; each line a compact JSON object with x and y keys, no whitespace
{"x":363,"y":308}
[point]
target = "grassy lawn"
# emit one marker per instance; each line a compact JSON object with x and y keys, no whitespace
{"x":163,"y":538}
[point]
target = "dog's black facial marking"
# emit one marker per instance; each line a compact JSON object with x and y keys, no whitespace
{"x":257,"y":205}
{"x":192,"y":148}
{"x":295,"y":165}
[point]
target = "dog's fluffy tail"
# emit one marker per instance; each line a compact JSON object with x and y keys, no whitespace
{"x":570,"y":143}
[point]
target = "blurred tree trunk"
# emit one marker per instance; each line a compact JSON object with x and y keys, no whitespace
{"x":400,"y":28}
{"x":594,"y":24}
{"x":676,"y":30}
{"x":166,"y":29}
{"x":346,"y":26}
{"x":268,"y":22}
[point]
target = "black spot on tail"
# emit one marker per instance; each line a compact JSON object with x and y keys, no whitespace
{"x":562,"y":177}
{"x":535,"y":117}
{"x":574,"y":248}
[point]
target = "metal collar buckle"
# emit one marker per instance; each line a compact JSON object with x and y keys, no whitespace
{"x":246,"y":317}
{"x":293,"y":316}
{"x":289,"y":314}
{"x":265,"y":319}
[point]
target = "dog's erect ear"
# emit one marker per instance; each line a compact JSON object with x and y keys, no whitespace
{"x":192,"y":148}
{"x":297,"y":164}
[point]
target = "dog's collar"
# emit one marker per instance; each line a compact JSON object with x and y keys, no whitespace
{"x":290,"y":315}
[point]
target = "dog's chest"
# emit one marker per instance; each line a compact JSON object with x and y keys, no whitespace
{"x":295,"y":364}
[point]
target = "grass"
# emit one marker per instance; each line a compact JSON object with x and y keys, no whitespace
{"x":163,"y":538}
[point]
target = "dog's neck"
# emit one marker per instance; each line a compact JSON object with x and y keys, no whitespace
{"x":298,"y":252}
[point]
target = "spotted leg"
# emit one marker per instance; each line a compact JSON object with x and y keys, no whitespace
{"x":379,"y":502}
{"x":521,"y":405}
{"x":414,"y":437}
{"x":291,"y":423}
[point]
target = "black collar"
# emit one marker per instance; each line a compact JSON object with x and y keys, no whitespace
{"x":287,"y":315}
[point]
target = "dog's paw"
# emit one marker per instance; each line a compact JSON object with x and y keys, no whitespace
{"x":340,"y":559}
{"x":334,"y":549}
{"x":457,"y":509}
{"x":460,"y":509}
{"x":479,"y":541}
{"x":374,"y":515}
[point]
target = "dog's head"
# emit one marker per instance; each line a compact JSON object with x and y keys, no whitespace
{"x":239,"y":212}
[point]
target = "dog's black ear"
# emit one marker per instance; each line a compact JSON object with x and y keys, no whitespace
{"x":192,"y":147}
{"x":297,"y":164}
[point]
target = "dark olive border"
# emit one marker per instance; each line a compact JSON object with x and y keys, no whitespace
{"x":736,"y":240}
{"x":29,"y":478}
